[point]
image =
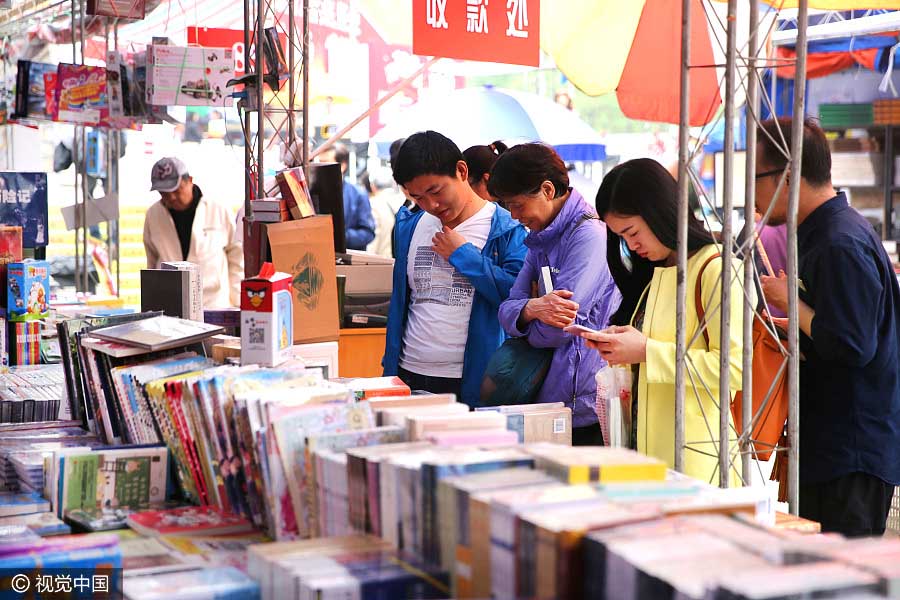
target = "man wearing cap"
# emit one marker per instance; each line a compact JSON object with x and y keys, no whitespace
{"x":185,"y":226}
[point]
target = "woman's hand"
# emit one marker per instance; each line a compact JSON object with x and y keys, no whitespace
{"x":554,"y":309}
{"x":618,"y":345}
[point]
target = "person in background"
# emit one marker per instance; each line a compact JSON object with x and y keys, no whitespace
{"x":639,"y":202}
{"x":456,"y":261}
{"x":184,"y":226}
{"x":480,"y":160}
{"x":358,"y":221}
{"x":568,"y":239}
{"x":774,"y":241}
{"x":385,"y":201}
{"x":849,"y":320}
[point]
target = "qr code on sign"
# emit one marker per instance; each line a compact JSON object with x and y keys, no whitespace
{"x":257,"y":335}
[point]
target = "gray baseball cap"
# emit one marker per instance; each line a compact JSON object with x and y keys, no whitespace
{"x":166,"y":174}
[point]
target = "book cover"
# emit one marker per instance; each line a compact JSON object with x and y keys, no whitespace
{"x":167,"y":291}
{"x":585,"y":464}
{"x":92,"y":520}
{"x":189,"y":520}
{"x":295,"y":192}
{"x":81,"y":94}
{"x":194,"y":289}
{"x":158,"y":333}
{"x":31,"y":97}
{"x":22,"y":504}
{"x":24,"y":204}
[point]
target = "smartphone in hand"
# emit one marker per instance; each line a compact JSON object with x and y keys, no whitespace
{"x":579,"y":329}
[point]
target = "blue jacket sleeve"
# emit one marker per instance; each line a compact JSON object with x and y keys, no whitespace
{"x":582,"y":271}
{"x":848,"y":300}
{"x":492,"y":277}
{"x":519,"y":296}
{"x":359,"y":223}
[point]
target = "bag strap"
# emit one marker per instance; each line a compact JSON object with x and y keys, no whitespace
{"x":639,"y":303}
{"x":698,"y":298}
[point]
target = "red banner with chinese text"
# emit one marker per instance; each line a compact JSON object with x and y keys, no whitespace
{"x":503,"y":31}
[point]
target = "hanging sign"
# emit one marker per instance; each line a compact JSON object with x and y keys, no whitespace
{"x":502,"y":31}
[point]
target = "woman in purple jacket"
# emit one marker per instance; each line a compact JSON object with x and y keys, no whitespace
{"x":567,"y":237}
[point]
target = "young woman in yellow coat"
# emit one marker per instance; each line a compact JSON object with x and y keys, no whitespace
{"x":638,"y":200}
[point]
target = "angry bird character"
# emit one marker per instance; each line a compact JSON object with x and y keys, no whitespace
{"x":255,"y":296}
{"x":284,"y":336}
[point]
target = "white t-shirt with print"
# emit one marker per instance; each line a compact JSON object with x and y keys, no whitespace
{"x":440,"y":303}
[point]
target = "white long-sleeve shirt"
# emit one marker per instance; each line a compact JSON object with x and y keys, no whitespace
{"x":213,"y":247}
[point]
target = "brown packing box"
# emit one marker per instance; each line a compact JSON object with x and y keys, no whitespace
{"x":226,"y":349}
{"x":305,"y":249}
{"x":554,"y":426}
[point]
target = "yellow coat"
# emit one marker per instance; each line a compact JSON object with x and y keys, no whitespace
{"x":656,"y":385}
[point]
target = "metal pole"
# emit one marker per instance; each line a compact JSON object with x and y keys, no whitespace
{"x":260,"y":190}
{"x":727,"y":252}
{"x":114,"y":178}
{"x":248,"y":152}
{"x":793,"y":314}
{"x":752,"y":110}
{"x":683,"y":189}
{"x":292,"y":123}
{"x":76,"y":150}
{"x":84,"y":177}
{"x":305,"y":67}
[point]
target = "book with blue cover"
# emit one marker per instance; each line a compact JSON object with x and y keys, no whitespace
{"x":12,"y":503}
{"x":42,"y":524}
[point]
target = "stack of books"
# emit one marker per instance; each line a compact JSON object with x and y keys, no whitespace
{"x":32,"y":393}
{"x":839,"y":116}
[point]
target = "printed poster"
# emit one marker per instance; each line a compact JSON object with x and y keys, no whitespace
{"x":23,"y":202}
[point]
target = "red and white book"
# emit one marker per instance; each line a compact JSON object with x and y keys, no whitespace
{"x":188,"y":521}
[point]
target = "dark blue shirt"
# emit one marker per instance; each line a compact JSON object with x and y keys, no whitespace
{"x":850,"y":378}
{"x":359,"y":224}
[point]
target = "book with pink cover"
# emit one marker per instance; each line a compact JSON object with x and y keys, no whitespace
{"x":188,"y":520}
{"x":81,"y":94}
{"x":483,"y":438}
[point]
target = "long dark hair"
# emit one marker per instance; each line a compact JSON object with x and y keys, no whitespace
{"x":642,"y":187}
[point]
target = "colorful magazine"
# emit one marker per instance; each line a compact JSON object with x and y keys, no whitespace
{"x":81,"y":94}
{"x":188,"y":520}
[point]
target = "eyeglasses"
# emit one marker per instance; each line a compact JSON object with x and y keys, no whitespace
{"x":769,"y":173}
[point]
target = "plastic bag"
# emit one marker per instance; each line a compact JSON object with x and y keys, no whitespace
{"x":613,"y":404}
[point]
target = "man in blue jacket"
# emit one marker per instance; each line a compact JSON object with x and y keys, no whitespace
{"x":359,"y":224}
{"x":457,"y":257}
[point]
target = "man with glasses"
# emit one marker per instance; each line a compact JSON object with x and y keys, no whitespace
{"x":849,"y":332}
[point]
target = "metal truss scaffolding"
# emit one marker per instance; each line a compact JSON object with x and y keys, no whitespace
{"x":726,"y":444}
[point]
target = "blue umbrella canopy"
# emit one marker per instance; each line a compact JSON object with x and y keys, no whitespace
{"x":481,"y":115}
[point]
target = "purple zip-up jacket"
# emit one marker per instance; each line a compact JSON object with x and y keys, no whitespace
{"x":575,"y":251}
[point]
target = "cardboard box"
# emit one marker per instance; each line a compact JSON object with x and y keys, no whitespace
{"x":28,"y":290}
{"x":305,"y":249}
{"x":553,"y":426}
{"x":266,"y":318}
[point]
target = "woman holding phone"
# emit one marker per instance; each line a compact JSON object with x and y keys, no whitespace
{"x":638,"y":201}
{"x":564,"y":281}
